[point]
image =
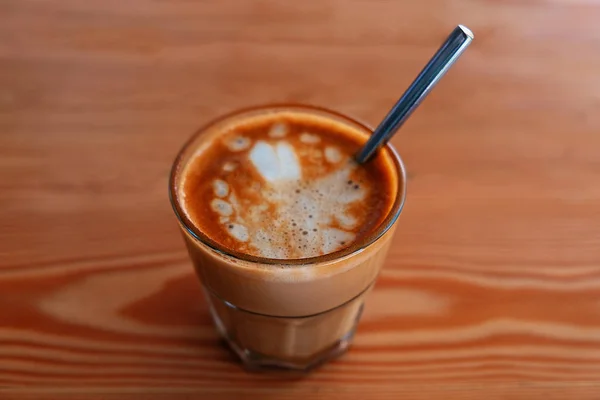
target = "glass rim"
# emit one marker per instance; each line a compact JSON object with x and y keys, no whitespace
{"x":357,"y":247}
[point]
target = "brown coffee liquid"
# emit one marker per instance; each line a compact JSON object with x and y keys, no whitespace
{"x":285,"y":186}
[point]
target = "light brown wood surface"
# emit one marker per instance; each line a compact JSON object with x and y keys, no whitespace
{"x":492,"y":289}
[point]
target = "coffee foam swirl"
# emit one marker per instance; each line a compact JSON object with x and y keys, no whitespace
{"x":284,"y":192}
{"x":311,"y":216}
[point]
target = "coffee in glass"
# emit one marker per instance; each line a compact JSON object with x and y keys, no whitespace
{"x":286,"y":231}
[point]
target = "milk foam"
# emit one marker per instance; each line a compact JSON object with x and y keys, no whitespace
{"x":278,"y":130}
{"x":238,"y":143}
{"x":275,"y":162}
{"x":309,"y":138}
{"x":220,"y":187}
{"x":333,"y":155}
{"x":312,"y":216}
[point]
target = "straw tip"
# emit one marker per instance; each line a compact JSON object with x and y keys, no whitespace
{"x":466,"y":31}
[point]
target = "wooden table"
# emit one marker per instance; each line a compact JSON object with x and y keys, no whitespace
{"x":492,"y":289}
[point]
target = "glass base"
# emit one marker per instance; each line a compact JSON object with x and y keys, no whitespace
{"x":253,"y":361}
{"x":299,"y":344}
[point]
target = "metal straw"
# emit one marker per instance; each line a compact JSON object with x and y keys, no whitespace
{"x":452,"y":48}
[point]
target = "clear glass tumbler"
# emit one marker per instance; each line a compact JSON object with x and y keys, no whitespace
{"x":293,"y":314}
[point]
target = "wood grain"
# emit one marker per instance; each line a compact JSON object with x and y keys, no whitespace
{"x":492,"y":289}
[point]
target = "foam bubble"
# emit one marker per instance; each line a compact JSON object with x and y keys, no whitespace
{"x":221,"y":207}
{"x":255,"y":215}
{"x":238,"y":232}
{"x":233,"y":201}
{"x":238,"y":143}
{"x":278,"y":130}
{"x":235,"y":204}
{"x":346,"y":221}
{"x":309,"y":138}
{"x":333,"y":155}
{"x":220,"y":187}
{"x":229,"y":166}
